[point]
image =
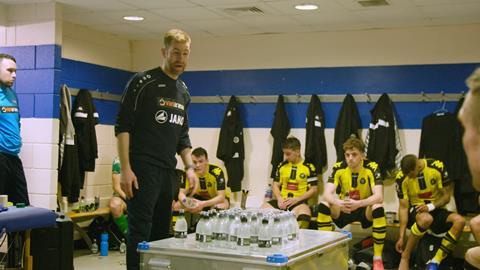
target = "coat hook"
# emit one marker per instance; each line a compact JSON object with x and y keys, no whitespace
{"x":298,"y":98}
{"x":424,"y":96}
{"x":252,"y":99}
{"x":369,"y":99}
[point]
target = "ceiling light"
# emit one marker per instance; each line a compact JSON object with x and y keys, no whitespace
{"x":306,"y":7}
{"x":133,"y":18}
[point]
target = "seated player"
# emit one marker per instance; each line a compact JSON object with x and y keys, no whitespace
{"x":359,"y":187}
{"x":291,"y":183}
{"x":117,"y":204}
{"x":424,"y":189}
{"x":212,"y":191}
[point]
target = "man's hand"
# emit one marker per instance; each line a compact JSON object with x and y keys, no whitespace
{"x":399,"y":245}
{"x":352,"y":205}
{"x":199,"y":205}
{"x":192,"y":181}
{"x":342,"y":206}
{"x":421,"y":208}
{"x":129,"y":179}
{"x":288,"y":202}
{"x":281,"y":204}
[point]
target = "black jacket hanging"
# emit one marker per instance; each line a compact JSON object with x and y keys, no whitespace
{"x":382,"y":136}
{"x":279,"y":131}
{"x":437,"y":140}
{"x":231,"y":149}
{"x":85,"y":117}
{"x":348,"y":124}
{"x":68,"y":171}
{"x":315,"y":147}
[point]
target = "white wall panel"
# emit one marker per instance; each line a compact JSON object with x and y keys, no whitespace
{"x":45,"y":201}
{"x":41,"y":181}
{"x":45,"y":156}
{"x":39,"y":130}
{"x":421,"y":45}
{"x":83,"y":44}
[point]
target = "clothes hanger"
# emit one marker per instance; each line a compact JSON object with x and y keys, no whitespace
{"x":443,"y":110}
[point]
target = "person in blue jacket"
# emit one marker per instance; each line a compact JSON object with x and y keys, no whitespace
{"x":12,"y":176}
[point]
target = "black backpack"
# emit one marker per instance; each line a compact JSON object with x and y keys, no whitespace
{"x":426,"y":249}
{"x":390,"y":257}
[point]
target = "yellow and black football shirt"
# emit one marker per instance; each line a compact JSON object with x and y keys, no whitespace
{"x":425,"y":188}
{"x":359,"y":185}
{"x":294,"y":179}
{"x":210,"y":183}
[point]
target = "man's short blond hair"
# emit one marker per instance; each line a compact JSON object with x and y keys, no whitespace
{"x":472,"y":100}
{"x":175,"y":35}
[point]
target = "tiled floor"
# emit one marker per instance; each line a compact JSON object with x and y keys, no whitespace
{"x":85,"y":260}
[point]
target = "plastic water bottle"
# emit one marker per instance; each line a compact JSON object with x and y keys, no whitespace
{"x":268,"y":193}
{"x":123,"y":246}
{"x":233,"y":230}
{"x":104,"y":245}
{"x":204,"y":231}
{"x":81,"y":205}
{"x":293,"y":227}
{"x":188,"y":202}
{"x":243,"y":237}
{"x":94,"y":247}
{"x":264,"y":239}
{"x":254,"y":225}
{"x":277,"y":232}
{"x":180,"y":229}
{"x":200,"y":225}
{"x":214,"y":222}
{"x":223,"y":229}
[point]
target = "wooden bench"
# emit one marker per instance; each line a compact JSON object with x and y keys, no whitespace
{"x":84,"y":216}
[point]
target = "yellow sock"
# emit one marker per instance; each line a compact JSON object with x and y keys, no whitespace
{"x":303,"y":221}
{"x":324,"y":220}
{"x":379,"y":231}
{"x":446,"y":247}
{"x":417,"y":230}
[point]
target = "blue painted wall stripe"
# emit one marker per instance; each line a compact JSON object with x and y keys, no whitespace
{"x":449,"y":78}
{"x":335,"y":80}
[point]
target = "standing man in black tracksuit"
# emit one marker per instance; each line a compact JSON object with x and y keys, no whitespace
{"x":152,"y":125}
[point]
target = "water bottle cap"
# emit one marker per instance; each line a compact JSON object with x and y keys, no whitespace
{"x":348,"y":233}
{"x":143,"y":245}
{"x":277,"y":258}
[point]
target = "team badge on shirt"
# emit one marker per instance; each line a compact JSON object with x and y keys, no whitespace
{"x":161,"y":116}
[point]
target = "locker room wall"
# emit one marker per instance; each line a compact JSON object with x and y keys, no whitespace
{"x":30,"y":32}
{"x":400,"y":61}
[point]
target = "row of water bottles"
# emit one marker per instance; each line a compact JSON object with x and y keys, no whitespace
{"x":243,"y":229}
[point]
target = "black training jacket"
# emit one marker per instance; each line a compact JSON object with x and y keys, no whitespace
{"x":315,"y":147}
{"x":279,"y":131}
{"x":153,"y":110}
{"x":231,"y":148}
{"x":348,"y":124}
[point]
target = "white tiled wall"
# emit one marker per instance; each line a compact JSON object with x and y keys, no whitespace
{"x":39,"y":156}
{"x":99,"y":183}
{"x":30,"y":24}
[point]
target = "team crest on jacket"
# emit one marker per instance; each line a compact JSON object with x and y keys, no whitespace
{"x":363,"y":181}
{"x":161,"y":116}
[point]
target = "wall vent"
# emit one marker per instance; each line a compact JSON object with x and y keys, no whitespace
{"x":244,"y":11}
{"x":373,"y":3}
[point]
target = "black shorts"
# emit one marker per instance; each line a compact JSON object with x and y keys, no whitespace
{"x":439,"y":224}
{"x":274,"y":204}
{"x":358,"y":215}
{"x":12,"y":179}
